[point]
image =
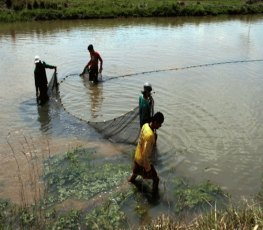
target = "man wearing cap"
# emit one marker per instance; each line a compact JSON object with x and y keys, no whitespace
{"x":41,"y":80}
{"x":92,"y":65}
{"x":146,"y":104}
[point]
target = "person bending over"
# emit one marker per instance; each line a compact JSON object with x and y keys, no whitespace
{"x":93,"y":64}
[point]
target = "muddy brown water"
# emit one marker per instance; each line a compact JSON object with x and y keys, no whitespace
{"x":206,"y":74}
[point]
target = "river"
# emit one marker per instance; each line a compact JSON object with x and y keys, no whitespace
{"x":206,"y":74}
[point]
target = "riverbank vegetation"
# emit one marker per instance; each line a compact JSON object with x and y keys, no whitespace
{"x":81,"y":191}
{"x":28,"y":10}
{"x":249,"y":216}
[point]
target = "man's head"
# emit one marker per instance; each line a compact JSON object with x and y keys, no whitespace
{"x":147,"y":88}
{"x":90,"y":47}
{"x":37,"y":59}
{"x":157,"y":120}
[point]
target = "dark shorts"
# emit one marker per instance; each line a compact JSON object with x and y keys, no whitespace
{"x":93,"y":75}
{"x":139,"y":170}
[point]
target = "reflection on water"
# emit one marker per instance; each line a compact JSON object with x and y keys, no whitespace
{"x":95,"y":94}
{"x":48,"y":28}
{"x":44,"y":117}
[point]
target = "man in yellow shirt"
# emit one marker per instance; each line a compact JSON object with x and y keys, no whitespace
{"x":143,"y":155}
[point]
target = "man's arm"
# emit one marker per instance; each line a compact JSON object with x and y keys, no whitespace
{"x":35,"y":77}
{"x":85,"y":67}
{"x":50,"y":66}
{"x":151,"y":105}
{"x":101,"y":63}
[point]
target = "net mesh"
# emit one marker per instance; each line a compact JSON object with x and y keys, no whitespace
{"x":123,"y":129}
{"x":53,"y":85}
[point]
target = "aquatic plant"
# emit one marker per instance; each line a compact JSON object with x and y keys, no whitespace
{"x":109,"y":215}
{"x":195,"y":196}
{"x":5,"y":213}
{"x":69,"y":220}
{"x":78,"y":175}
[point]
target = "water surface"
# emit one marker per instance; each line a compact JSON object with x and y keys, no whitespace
{"x":209,"y":90}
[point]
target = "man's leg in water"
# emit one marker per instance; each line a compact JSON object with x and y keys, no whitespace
{"x":137,"y":170}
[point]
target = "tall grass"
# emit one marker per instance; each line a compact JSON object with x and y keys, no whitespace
{"x":31,"y":190}
{"x":249,"y":216}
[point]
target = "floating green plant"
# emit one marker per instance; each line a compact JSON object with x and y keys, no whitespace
{"x":78,"y":174}
{"x":109,"y":215}
{"x":5,"y":212}
{"x":69,"y":220}
{"x":189,"y":197}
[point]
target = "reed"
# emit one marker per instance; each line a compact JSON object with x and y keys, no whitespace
{"x":31,"y":190}
{"x":248,"y":216}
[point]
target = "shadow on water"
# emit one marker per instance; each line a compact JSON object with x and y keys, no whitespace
{"x":44,"y":117}
{"x":39,"y":116}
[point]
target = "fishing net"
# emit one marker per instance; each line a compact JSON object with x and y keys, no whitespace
{"x":126,"y":128}
{"x":123,"y":129}
{"x":53,"y":85}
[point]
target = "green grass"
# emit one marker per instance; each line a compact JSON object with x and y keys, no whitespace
{"x":21,"y":10}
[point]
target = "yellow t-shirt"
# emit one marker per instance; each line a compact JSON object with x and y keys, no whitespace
{"x":144,"y":150}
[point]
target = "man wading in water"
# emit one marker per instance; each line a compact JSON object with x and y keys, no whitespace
{"x":144,"y":152}
{"x":41,"y":80}
{"x":92,"y":65}
{"x":146,"y":104}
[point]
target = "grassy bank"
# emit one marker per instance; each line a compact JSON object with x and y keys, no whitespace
{"x":27,"y":10}
{"x":109,"y":216}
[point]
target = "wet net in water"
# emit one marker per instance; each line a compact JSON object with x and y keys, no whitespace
{"x":53,"y":85}
{"x":123,"y":129}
